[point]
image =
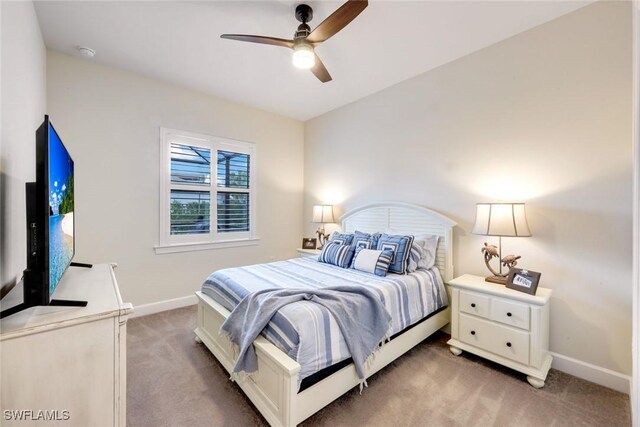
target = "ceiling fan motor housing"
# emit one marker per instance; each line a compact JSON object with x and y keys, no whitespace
{"x":302,"y":32}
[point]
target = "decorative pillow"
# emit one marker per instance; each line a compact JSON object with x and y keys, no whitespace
{"x":415,"y":255}
{"x":430,"y":246}
{"x":372,"y":261}
{"x":336,"y":254}
{"x":401,"y":247}
{"x":342,"y":238}
{"x":365,"y":240}
{"x":423,"y":250}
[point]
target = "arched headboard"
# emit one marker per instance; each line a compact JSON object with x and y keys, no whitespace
{"x":405,"y":218}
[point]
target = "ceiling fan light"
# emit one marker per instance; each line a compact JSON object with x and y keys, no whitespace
{"x":304,"y":57}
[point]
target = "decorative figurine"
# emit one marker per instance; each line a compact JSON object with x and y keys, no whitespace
{"x":489,"y":251}
{"x":322,"y":236}
{"x":509,"y":261}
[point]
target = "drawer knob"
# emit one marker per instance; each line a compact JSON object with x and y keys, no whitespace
{"x":473,"y":305}
{"x":473,"y":332}
{"x":508,"y":344}
{"x":509,"y":314}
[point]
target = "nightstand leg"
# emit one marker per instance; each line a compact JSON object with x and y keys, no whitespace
{"x":198,"y":340}
{"x":535,"y":382}
{"x":455,"y":350}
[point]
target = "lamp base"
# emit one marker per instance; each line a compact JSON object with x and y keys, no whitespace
{"x":322,"y":237}
{"x":501,"y":280}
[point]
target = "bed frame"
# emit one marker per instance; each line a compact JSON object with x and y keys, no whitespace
{"x":273,"y":388}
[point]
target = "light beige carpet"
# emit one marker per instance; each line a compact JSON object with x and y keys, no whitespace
{"x":173,"y":381}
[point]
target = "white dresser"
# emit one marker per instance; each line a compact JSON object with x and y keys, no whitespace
{"x":506,"y":326}
{"x":67,"y":364}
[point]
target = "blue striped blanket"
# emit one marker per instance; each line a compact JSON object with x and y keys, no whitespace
{"x":361,"y":316}
{"x":306,"y":331}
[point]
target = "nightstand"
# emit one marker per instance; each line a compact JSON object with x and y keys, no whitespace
{"x":506,"y":326}
{"x":308,"y":252}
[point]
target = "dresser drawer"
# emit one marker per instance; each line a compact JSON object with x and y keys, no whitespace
{"x":474,"y":303}
{"x":510,"y":313}
{"x":495,"y":338}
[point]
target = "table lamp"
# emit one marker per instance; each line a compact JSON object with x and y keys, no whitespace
{"x":502,"y":220}
{"x":322,"y":214}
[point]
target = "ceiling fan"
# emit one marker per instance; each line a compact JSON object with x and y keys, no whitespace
{"x":304,"y":40}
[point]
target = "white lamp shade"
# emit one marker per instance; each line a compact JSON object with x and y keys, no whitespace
{"x":323,"y":214}
{"x":501,"y":219}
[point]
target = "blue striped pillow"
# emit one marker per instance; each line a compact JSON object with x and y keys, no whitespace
{"x":415,"y":255}
{"x":401,"y":247}
{"x":336,"y":254}
{"x":423,"y":252}
{"x":372,"y":261}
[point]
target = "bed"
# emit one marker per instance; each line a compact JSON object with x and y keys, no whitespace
{"x":278,"y":388}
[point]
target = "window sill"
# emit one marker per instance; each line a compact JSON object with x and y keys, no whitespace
{"x":221,"y":244}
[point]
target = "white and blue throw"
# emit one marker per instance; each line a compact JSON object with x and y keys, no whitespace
{"x":361,"y":317}
{"x":308,"y":332}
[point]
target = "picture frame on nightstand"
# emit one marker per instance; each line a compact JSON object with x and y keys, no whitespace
{"x":523,"y":280}
{"x":309,"y":243}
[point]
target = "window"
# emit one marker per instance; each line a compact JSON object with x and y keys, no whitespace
{"x":196,"y":211}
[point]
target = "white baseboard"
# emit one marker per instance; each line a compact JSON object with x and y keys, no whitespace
{"x":595,"y":374}
{"x":157,"y":307}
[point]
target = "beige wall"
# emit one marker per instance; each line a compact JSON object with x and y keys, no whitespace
{"x":23,"y":93}
{"x":109,"y":120}
{"x":544,"y":118}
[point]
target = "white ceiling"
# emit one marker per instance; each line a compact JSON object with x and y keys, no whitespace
{"x":389,"y":42}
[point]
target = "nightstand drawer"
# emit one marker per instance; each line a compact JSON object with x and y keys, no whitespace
{"x":510,"y":313}
{"x":473,"y":303}
{"x":497,"y":339}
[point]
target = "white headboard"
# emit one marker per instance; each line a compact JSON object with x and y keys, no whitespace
{"x":405,"y":218}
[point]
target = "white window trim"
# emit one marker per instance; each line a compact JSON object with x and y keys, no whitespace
{"x":213,"y":240}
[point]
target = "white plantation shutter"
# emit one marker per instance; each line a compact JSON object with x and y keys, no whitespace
{"x":196,"y":210}
{"x":233,"y":198}
{"x":190,"y":207}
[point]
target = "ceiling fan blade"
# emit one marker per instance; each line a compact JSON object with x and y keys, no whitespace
{"x":337,"y":20}
{"x":259,"y":39}
{"x":320,"y":71}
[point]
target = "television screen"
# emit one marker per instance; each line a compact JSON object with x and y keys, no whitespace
{"x":61,"y":224}
{"x":50,"y":207}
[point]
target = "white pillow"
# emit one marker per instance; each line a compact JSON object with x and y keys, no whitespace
{"x":423,"y":251}
{"x":429,"y":243}
{"x":372,"y":261}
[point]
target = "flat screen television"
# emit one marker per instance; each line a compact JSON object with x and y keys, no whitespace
{"x":50,"y":222}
